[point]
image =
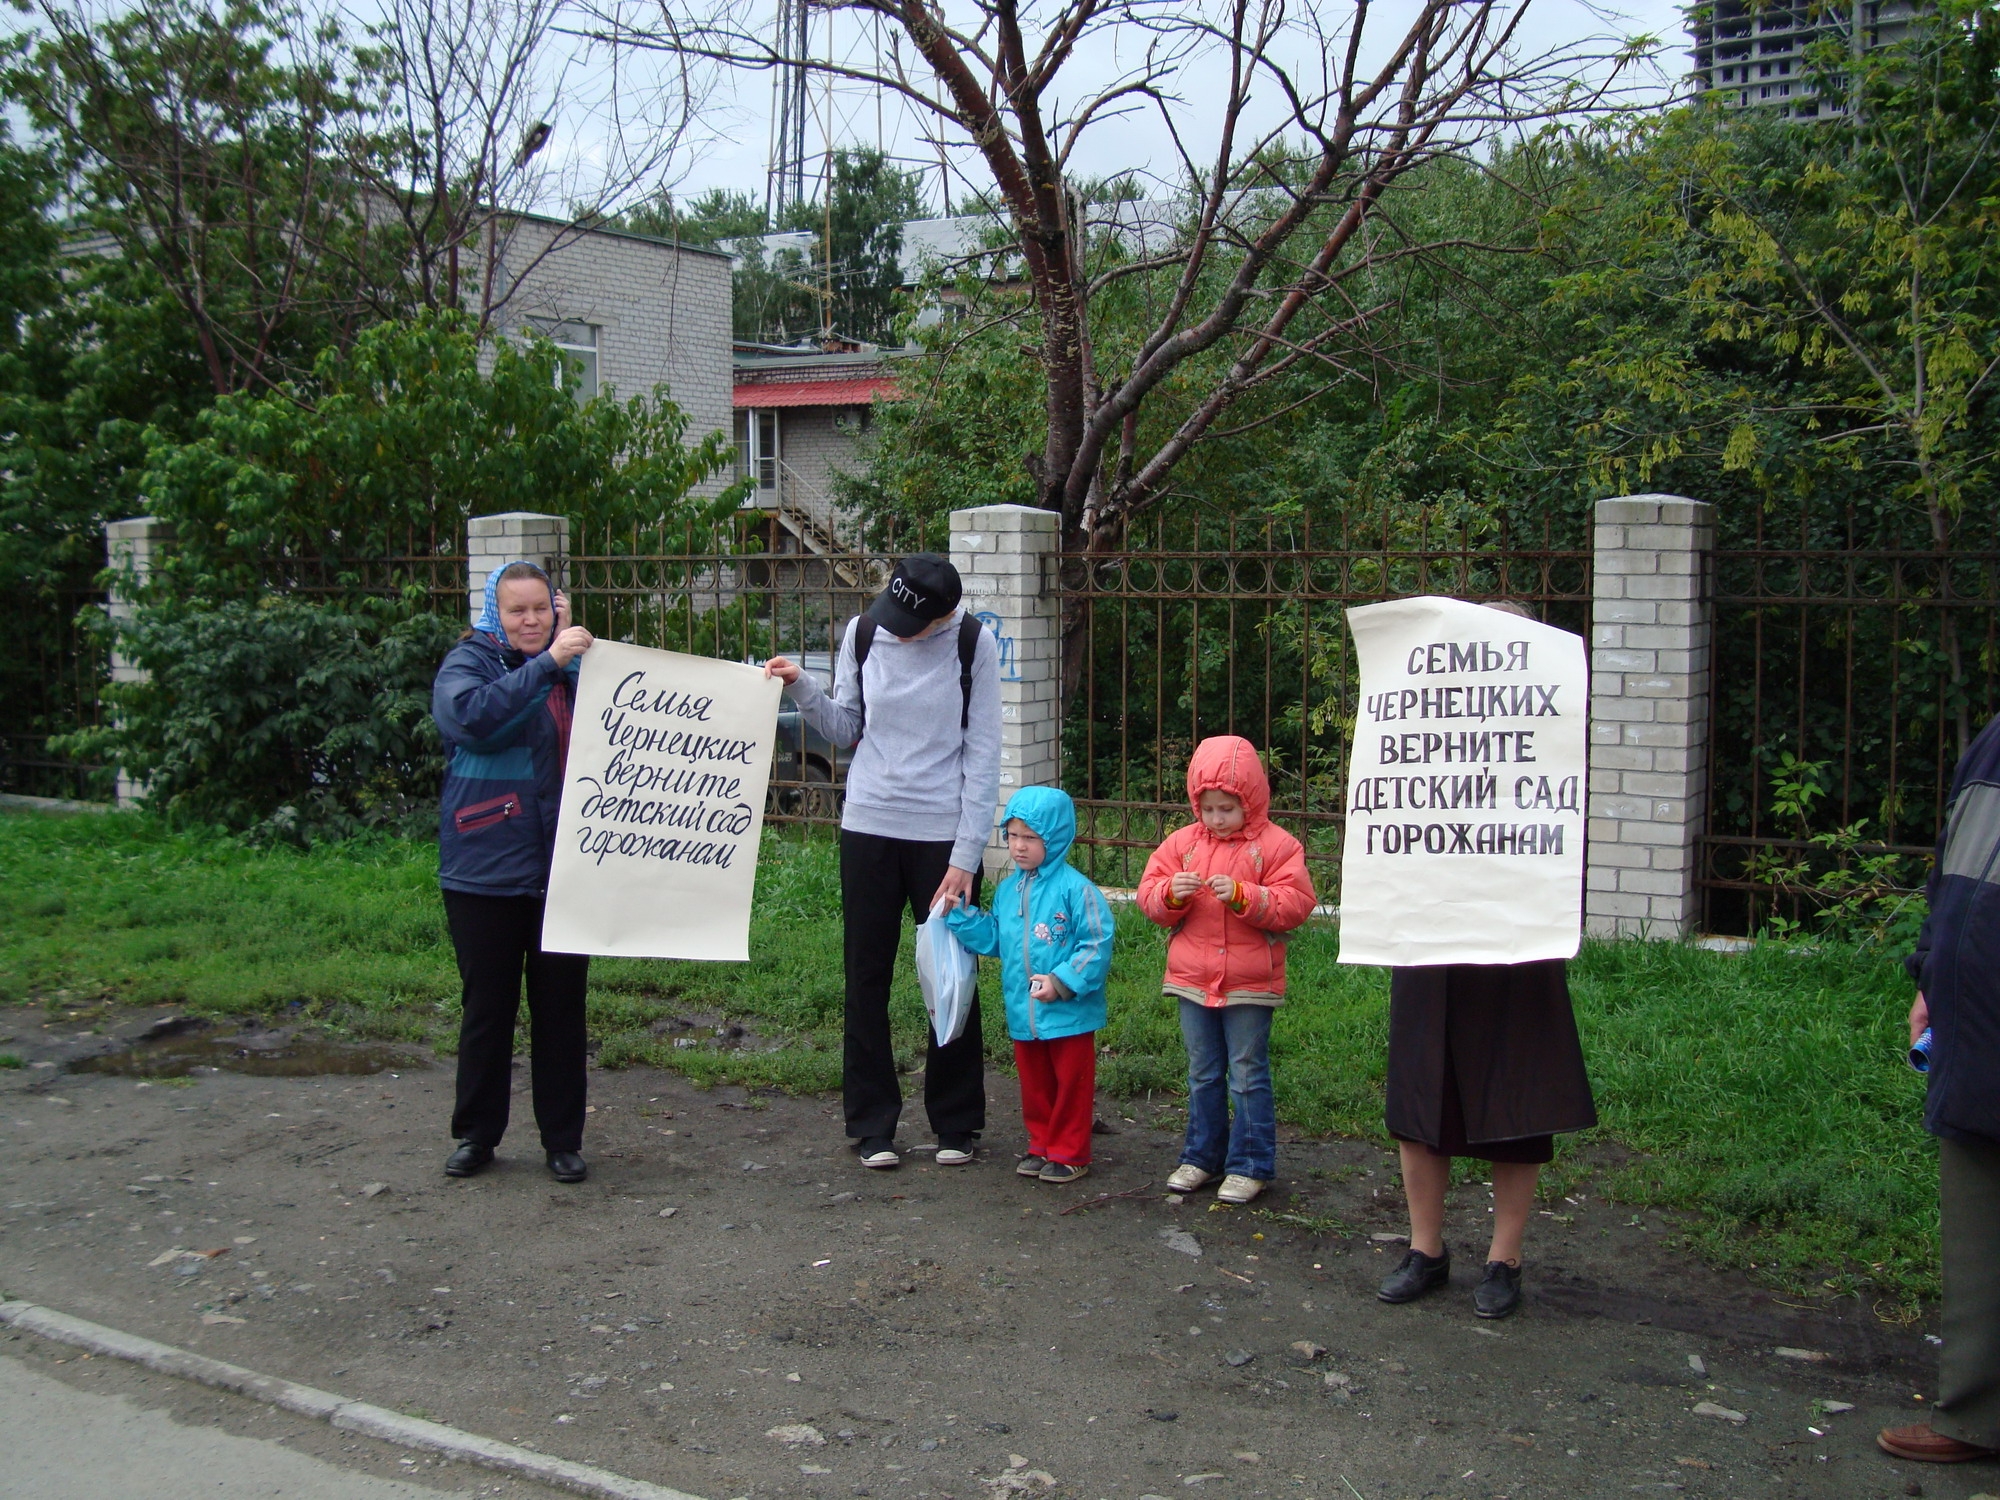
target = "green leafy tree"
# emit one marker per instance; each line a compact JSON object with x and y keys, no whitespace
{"x":704,"y":221}
{"x":208,"y":145}
{"x":401,"y":440}
{"x":292,"y":633}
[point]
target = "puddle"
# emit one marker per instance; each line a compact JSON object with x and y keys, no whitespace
{"x":267,"y":1055}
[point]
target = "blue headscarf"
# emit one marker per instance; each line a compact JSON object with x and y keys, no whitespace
{"x":489,"y":615}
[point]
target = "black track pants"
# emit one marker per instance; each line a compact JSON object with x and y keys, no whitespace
{"x":499,"y":942}
{"x":880,"y":880}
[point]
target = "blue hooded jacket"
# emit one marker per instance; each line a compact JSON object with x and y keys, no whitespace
{"x":505,"y":719}
{"x":1957,"y":960}
{"x":1051,"y":920}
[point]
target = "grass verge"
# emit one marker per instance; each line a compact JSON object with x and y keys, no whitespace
{"x":1763,"y":1092}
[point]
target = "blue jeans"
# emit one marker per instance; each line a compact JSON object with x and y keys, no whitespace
{"x":1229,"y":1063}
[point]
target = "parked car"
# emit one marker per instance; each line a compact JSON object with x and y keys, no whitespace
{"x":808,"y":768}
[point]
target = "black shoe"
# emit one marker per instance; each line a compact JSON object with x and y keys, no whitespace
{"x":1499,"y":1291}
{"x":1418,"y":1274}
{"x":567,"y":1166}
{"x":878,"y":1152}
{"x":468,"y":1160}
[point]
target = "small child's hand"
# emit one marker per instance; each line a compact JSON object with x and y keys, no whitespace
{"x":1222,"y":886}
{"x":1184,"y":884}
{"x":1041,"y":987}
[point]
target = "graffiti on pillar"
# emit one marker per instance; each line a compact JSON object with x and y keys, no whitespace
{"x":1010,"y":670}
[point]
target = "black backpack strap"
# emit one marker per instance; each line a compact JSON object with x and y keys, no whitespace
{"x":864,"y":637}
{"x":968,"y":647}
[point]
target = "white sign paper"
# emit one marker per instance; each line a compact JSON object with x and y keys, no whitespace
{"x":662,"y":806}
{"x":1465,"y":793}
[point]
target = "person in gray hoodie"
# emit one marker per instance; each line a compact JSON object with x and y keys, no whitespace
{"x":917,"y":690}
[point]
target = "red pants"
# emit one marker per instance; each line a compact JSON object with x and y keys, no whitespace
{"x":1059,"y":1095}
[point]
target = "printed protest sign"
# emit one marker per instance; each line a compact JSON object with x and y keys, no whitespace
{"x":1465,"y":789}
{"x":662,"y":806}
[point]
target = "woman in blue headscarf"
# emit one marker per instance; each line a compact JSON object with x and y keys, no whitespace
{"x":502,"y":701}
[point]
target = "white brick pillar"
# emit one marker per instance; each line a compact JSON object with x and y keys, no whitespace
{"x":998,"y":551}
{"x":491,"y":542}
{"x":1651,"y":638}
{"x":132,"y":547}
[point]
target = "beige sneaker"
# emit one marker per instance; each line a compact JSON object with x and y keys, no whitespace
{"x":1187,"y":1177}
{"x":1237,"y":1189}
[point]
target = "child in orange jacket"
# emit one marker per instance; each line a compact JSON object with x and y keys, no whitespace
{"x":1227,"y":888}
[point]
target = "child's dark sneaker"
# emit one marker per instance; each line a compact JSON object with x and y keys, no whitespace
{"x":1031,"y":1166}
{"x":1063,"y":1171}
{"x":1499,"y":1292}
{"x":1417,"y":1276}
{"x":954,"y":1149}
{"x":879,"y":1152}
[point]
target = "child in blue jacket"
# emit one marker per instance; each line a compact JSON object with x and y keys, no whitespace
{"x":1051,"y":930}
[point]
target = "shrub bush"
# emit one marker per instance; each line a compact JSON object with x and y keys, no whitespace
{"x":280,"y":718}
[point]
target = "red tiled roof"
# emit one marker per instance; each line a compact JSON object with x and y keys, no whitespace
{"x":860,"y":391}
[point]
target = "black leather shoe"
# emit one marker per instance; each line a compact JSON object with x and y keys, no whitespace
{"x":1499,"y":1292}
{"x":468,"y":1160}
{"x":1418,"y":1274}
{"x":567,"y":1166}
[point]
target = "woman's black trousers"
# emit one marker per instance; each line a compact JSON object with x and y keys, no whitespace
{"x":499,"y":942}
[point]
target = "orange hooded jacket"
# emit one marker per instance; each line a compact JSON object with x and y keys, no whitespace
{"x":1216,"y":953}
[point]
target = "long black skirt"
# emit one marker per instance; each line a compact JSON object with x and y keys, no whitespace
{"x":1484,"y":1060}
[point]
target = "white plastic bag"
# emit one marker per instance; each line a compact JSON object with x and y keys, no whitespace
{"x":947,"y":973}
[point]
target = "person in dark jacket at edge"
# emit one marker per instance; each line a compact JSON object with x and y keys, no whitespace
{"x":502,"y":701}
{"x":1956,"y":967}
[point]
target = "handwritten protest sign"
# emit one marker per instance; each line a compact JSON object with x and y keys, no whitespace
{"x":1465,"y":792}
{"x":662,"y":806}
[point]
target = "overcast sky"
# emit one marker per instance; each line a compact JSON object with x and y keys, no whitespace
{"x":737,"y":122}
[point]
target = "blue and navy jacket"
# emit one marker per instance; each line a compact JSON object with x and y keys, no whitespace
{"x":1957,"y":960}
{"x":505,"y":720}
{"x":1051,"y":920}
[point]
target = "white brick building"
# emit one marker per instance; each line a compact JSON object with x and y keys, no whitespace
{"x":631,"y":310}
{"x":799,"y":418}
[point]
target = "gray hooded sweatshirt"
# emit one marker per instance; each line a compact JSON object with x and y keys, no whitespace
{"x":917,"y":775}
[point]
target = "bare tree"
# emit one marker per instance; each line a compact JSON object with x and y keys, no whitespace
{"x":289,"y":186}
{"x":1291,"y":124}
{"x":502,"y":134}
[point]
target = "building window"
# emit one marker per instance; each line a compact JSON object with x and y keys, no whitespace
{"x":578,"y":342}
{"x":757,"y":446}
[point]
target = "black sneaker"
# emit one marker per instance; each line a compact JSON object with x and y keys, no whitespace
{"x":879,"y":1152}
{"x":1418,"y":1275}
{"x":1499,"y":1291}
{"x":1031,"y":1166}
{"x":956,"y":1148}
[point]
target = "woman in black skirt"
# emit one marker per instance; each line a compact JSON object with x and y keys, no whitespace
{"x":1484,"y":1061}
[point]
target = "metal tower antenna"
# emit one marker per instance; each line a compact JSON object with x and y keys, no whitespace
{"x":785,"y":176}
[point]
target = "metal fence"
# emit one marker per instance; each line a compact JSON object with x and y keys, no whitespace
{"x":741,"y":591}
{"x":1848,"y":676}
{"x":1206,"y":625}
{"x":53,"y":689}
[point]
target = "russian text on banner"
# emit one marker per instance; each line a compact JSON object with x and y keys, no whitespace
{"x":662,"y":806}
{"x":1465,"y":796}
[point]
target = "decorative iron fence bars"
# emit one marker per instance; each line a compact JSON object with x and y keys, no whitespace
{"x":58,"y":692}
{"x":1209,"y":625}
{"x":1869,"y":668}
{"x":727,"y":591}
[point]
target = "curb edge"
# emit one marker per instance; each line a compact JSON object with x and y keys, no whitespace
{"x":338,"y":1411}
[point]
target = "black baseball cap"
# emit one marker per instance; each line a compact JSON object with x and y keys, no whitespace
{"x":923,"y":590}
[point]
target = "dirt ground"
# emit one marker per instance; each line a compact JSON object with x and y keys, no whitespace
{"x":732,"y":1306}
